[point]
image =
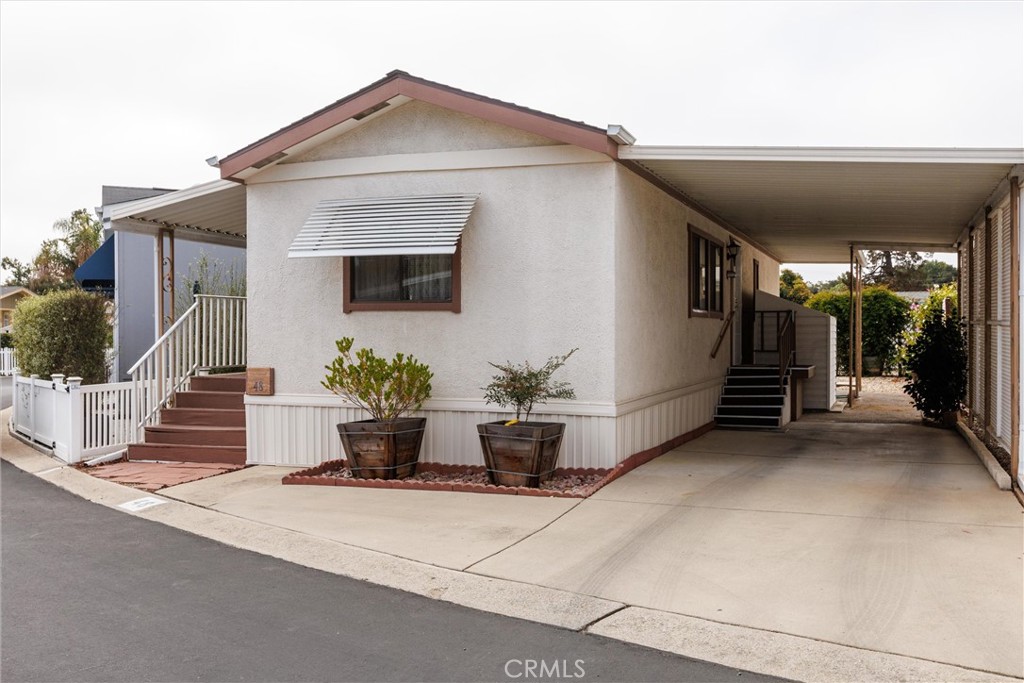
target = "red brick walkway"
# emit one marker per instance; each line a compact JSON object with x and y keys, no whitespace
{"x":151,"y":476}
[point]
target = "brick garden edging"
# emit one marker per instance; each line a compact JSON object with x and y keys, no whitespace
{"x":309,"y":476}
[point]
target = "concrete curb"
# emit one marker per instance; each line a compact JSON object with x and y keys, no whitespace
{"x":777,"y":654}
{"x":995,"y":470}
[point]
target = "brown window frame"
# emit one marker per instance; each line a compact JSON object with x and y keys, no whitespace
{"x":709,"y":245}
{"x":453,"y":306}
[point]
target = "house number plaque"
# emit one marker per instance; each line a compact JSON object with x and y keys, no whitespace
{"x":259,"y":381}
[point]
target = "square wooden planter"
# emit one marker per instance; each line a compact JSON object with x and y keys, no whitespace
{"x":381,"y":450}
{"x":523,"y":454}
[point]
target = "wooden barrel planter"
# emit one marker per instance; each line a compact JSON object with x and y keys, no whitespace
{"x":522,"y":454}
{"x":382,"y":450}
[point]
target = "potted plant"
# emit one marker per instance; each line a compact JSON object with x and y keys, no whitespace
{"x":387,"y":446}
{"x":523,"y":453}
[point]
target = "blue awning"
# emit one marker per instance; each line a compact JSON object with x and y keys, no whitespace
{"x":97,"y":273}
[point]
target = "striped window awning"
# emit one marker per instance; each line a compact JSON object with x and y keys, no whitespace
{"x":428,"y":224}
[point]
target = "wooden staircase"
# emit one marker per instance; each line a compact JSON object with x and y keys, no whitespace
{"x":753,"y":399}
{"x":206,"y":424}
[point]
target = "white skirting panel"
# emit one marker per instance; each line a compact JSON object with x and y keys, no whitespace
{"x":302,"y":431}
{"x":307,"y":435}
{"x":652,"y":426}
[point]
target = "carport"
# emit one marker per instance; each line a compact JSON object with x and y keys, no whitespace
{"x":828,"y":205}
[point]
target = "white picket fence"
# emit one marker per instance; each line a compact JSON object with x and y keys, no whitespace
{"x":79,"y":422}
{"x":7,"y":362}
{"x":74,"y":422}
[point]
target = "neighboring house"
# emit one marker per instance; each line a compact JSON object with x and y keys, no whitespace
{"x":486,"y":231}
{"x":10,"y":295}
{"x":126,"y":268}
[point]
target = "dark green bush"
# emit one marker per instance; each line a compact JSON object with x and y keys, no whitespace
{"x":6,"y":340}
{"x":885,"y":316}
{"x":62,"y":332}
{"x":937,"y":363}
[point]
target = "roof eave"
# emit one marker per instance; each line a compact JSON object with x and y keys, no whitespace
{"x":400,"y":83}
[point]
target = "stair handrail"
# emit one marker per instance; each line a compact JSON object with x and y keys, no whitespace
{"x":211,"y":333}
{"x":786,"y":344}
{"x":721,"y":334}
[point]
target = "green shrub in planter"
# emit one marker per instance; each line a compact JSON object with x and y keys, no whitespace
{"x":64,"y":332}
{"x":937,"y":363}
{"x":387,"y":446}
{"x":385,"y":389}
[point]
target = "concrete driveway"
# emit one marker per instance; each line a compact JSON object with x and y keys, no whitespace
{"x":885,"y":537}
{"x":833,"y":552}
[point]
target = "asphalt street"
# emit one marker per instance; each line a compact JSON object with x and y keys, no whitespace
{"x":91,"y":594}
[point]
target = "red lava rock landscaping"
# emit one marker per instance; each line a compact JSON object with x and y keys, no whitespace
{"x":564,"y":483}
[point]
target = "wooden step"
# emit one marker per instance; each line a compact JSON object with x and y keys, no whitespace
{"x":748,"y":422}
{"x":170,"y":452}
{"x":196,"y":435}
{"x":748,"y":411}
{"x":205,"y":417}
{"x":233,"y":382}
{"x":209,"y":399}
{"x":752,"y":400}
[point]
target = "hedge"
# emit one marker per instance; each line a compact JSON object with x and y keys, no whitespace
{"x":885,"y":315}
{"x":65,"y":332}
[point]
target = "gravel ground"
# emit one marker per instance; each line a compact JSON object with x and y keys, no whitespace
{"x":575,"y":484}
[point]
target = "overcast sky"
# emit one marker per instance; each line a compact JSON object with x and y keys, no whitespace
{"x":142,"y":93}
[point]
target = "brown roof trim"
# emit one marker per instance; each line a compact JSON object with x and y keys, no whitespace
{"x":401,"y":83}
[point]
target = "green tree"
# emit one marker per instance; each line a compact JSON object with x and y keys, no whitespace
{"x":792,"y":287}
{"x":938,"y":273}
{"x":899,"y":270}
{"x":54,"y":266}
{"x":20,"y":273}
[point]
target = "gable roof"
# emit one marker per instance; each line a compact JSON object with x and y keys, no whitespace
{"x":399,"y":86}
{"x":8,"y":290}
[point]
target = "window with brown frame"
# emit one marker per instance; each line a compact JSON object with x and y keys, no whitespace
{"x":707,"y":275}
{"x":402,"y":282}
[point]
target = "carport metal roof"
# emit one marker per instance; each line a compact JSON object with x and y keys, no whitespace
{"x":809,"y":204}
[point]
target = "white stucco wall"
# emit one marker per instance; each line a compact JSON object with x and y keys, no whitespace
{"x":666,"y":383}
{"x":536,"y":261}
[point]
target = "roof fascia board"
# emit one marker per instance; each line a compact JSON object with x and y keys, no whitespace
{"x":126,"y":209}
{"x":911,"y":155}
{"x":403,"y":84}
{"x":693,"y":205}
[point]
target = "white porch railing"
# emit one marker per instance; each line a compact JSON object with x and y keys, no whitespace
{"x":72,"y":421}
{"x":7,"y":362}
{"x":210,"y":334}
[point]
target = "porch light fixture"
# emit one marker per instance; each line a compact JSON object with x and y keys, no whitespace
{"x":732,"y":252}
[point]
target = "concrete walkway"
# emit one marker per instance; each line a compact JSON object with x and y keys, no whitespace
{"x":831,"y":552}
